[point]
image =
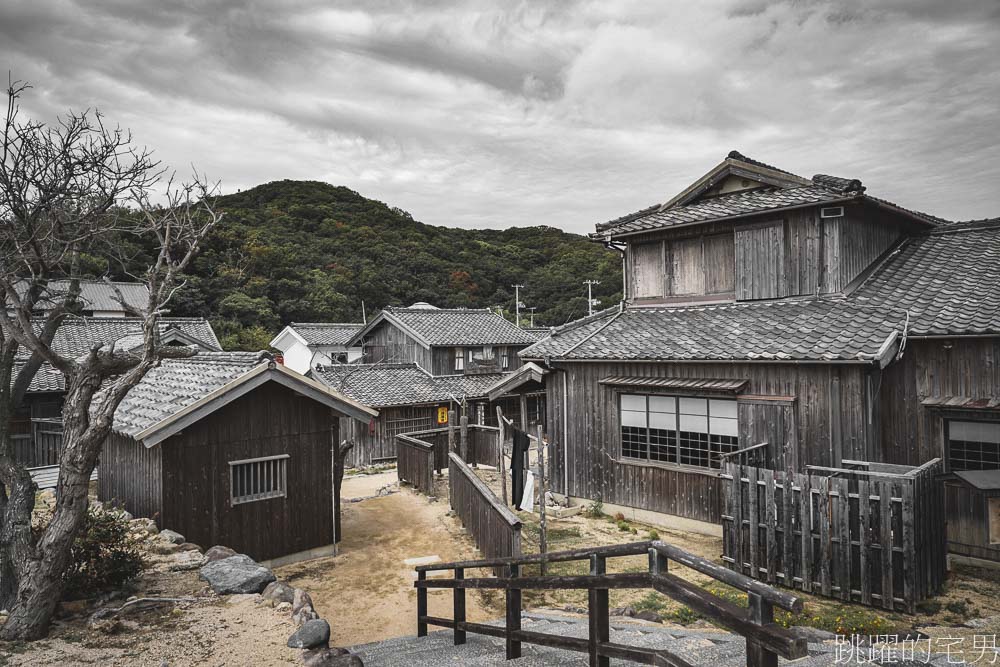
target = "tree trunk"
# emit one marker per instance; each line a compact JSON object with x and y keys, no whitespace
{"x":40,"y":567}
{"x":338,"y":478}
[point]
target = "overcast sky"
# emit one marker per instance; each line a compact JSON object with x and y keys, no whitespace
{"x":560,"y":113}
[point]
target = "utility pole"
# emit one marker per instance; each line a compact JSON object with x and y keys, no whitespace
{"x":591,"y":302}
{"x":532,"y":310}
{"x":517,"y":304}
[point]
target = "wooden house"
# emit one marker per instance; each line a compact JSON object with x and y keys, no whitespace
{"x":304,"y":345}
{"x":764,"y":307}
{"x":37,"y":424}
{"x":454,"y":341}
{"x":230,"y":448}
{"x":408,"y":399}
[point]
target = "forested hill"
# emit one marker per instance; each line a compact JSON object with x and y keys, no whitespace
{"x":309,"y":252}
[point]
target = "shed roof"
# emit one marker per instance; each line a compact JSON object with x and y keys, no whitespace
{"x":382,"y":385}
{"x":181,"y":391}
{"x":527,"y":373}
{"x":948,"y":281}
{"x":984,"y":480}
{"x":452,"y":326}
{"x":819,"y":330}
{"x":95,"y":294}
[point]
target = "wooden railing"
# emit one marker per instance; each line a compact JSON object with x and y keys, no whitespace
{"x":415,"y":462}
{"x":765,"y":640}
{"x":483,"y":444}
{"x":494,"y":527}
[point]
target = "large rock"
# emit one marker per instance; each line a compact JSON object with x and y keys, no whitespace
{"x":172,"y":537}
{"x":218,"y":552}
{"x":187,"y":560}
{"x":330,"y":657}
{"x":236,"y":574}
{"x":302,"y":608}
{"x":312,"y":634}
{"x":279,"y":591}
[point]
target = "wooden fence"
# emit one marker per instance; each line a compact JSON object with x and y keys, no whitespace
{"x":874,"y":533}
{"x":483,"y":445}
{"x":415,"y":462}
{"x":42,"y":446}
{"x":496,"y":529}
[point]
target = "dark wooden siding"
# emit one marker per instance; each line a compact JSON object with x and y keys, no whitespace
{"x":829,"y":415}
{"x":268,"y":421}
{"x":131,"y":475}
{"x":967,"y":511}
{"x":913,"y":433}
{"x":852,"y":243}
{"x":378,"y":443}
{"x":685,"y":266}
{"x":387,"y":343}
{"x":760,"y":261}
{"x":443,"y":361}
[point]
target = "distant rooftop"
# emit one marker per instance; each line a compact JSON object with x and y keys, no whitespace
{"x":453,"y":326}
{"x":326,"y":333}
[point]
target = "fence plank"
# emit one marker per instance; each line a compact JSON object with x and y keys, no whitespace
{"x":788,"y":527}
{"x":752,"y":516}
{"x":843,"y":526}
{"x":805,"y":511}
{"x":825,"y":546}
{"x":864,"y":540}
{"x":770,"y":519}
{"x":885,"y":539}
{"x":909,"y":553}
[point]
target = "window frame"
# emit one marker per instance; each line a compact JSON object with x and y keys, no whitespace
{"x":282,"y":479}
{"x":948,"y":421}
{"x":459,"y":357}
{"x":676,"y":446}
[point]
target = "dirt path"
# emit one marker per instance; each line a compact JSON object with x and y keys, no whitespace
{"x":366,"y":591}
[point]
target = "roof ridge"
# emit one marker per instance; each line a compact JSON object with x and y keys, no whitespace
{"x":326,"y":324}
{"x":964,"y":226}
{"x":575,"y":324}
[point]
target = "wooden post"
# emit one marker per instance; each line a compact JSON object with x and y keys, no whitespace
{"x":451,"y":431}
{"x":597,"y":611}
{"x":657,"y":562}
{"x":464,"y":436}
{"x":524,"y":411}
{"x":459,"y":608}
{"x":543,"y":536}
{"x":513,"y":616}
{"x":421,"y":606}
{"x":500,"y":462}
{"x":761,"y":613}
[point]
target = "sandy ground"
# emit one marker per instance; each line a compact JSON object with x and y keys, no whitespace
{"x":366,"y":591}
{"x":208,"y":630}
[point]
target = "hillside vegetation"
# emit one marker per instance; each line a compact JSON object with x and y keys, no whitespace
{"x":308,"y":251}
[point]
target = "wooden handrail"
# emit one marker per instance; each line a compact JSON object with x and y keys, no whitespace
{"x":765,"y":639}
{"x":487,"y":495}
{"x":745,"y":450}
{"x":410,"y":440}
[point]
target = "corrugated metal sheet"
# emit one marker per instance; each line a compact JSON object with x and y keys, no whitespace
{"x":47,"y":476}
{"x":697,"y":384}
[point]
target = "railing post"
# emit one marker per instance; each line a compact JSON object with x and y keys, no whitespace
{"x":464,"y":438}
{"x":597,"y":611}
{"x":657,"y":562}
{"x":513,"y":615}
{"x":421,"y":606}
{"x":451,"y":432}
{"x":459,"y":608}
{"x":761,"y":613}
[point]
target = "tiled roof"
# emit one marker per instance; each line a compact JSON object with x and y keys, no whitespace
{"x":458,"y":326}
{"x":538,"y":333}
{"x":77,"y":336}
{"x":565,"y":337}
{"x":322,"y":333}
{"x":96,"y":294}
{"x":792,"y":330}
{"x":178,"y":383}
{"x":948,"y":281}
{"x":380,"y":385}
{"x":733,"y":205}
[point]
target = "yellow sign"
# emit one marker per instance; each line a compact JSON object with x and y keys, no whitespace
{"x":442,"y":415}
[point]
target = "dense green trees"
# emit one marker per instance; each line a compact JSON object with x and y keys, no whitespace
{"x":308,"y":251}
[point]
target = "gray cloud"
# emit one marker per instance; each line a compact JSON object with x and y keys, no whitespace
{"x":562,"y":113}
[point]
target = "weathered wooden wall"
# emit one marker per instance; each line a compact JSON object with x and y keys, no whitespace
{"x":912,"y":433}
{"x":967,"y":510}
{"x":268,"y":421}
{"x":683,"y":267}
{"x":374,"y":444}
{"x":386,"y":343}
{"x":131,"y":474}
{"x":829,"y":415}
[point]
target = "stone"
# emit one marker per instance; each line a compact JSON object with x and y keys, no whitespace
{"x":237,"y":574}
{"x":164,"y":548}
{"x":284,"y":606}
{"x":622,"y":611}
{"x":279,"y":591}
{"x":172,"y":537}
{"x":301,"y":600}
{"x":647,"y":615}
{"x":980,"y":623}
{"x":303,"y":616}
{"x":218,"y":552}
{"x":330,"y":657}
{"x":186,"y":561}
{"x":190,"y":546}
{"x":312,"y":634}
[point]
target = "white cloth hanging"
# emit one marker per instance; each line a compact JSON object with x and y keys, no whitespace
{"x":528,"y":499}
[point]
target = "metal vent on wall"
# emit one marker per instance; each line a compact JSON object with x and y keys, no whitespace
{"x":832,"y":212}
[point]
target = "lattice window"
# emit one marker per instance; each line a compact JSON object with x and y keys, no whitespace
{"x":691,"y":431}
{"x":258,"y":479}
{"x":973,"y":445}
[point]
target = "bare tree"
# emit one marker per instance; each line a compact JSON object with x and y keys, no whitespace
{"x":71,"y":191}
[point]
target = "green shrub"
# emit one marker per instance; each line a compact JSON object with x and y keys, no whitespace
{"x":684,"y":616}
{"x":623,"y":526}
{"x":595,"y":510}
{"x":653,"y":535}
{"x":960,"y":607}
{"x":104,"y":556}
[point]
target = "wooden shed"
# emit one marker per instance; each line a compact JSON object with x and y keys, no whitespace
{"x":972,"y":507}
{"x":233,"y":449}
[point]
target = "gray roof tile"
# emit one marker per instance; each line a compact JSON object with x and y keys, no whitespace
{"x":460,"y":326}
{"x":948,"y":281}
{"x":177,"y":383}
{"x":96,"y":294}
{"x":381,"y":385}
{"x":326,"y":333}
